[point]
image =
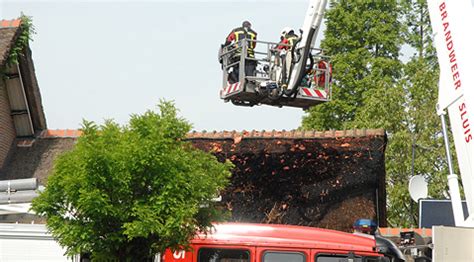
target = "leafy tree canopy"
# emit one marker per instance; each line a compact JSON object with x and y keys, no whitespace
{"x":128,"y":192}
{"x":377,"y":86}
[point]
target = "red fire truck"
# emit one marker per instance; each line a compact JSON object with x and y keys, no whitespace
{"x":240,"y":242}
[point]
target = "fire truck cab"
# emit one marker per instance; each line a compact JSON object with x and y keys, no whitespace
{"x":240,"y":242}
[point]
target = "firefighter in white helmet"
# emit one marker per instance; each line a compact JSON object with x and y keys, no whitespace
{"x":288,"y":39}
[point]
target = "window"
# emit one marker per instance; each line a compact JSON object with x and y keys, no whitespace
{"x":223,"y":255}
{"x":337,"y":259}
{"x":283,"y":257}
{"x":343,"y":258}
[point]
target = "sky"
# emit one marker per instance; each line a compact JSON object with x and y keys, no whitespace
{"x":99,"y":60}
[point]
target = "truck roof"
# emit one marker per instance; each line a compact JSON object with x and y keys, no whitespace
{"x":285,"y":236}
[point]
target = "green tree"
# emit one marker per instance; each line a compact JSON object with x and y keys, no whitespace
{"x":127,"y":192}
{"x":363,"y":39}
{"x":418,"y":148}
{"x":373,"y":88}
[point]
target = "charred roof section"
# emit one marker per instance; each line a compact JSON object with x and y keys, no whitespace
{"x":324,"y":179}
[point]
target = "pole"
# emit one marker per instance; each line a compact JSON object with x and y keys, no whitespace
{"x":453,"y":183}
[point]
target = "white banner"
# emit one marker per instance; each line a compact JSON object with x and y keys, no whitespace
{"x":464,"y":150}
{"x":452,"y":23}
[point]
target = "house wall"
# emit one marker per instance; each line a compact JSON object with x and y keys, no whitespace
{"x":7,"y":129}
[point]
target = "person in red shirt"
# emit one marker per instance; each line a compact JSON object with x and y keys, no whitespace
{"x":287,"y":39}
{"x":324,"y":69}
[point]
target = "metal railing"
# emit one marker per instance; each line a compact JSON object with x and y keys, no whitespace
{"x":268,"y":64}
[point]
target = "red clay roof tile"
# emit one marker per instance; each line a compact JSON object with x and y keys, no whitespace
{"x":293,"y":134}
{"x":10,"y":23}
{"x":58,"y":133}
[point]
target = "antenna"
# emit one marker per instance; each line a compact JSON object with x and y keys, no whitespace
{"x":418,"y":188}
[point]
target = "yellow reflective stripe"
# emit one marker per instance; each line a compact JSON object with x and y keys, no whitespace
{"x":291,"y":40}
{"x":252,"y":37}
{"x":237,"y":37}
{"x":237,"y":34}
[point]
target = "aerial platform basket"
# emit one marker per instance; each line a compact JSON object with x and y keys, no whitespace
{"x":251,"y":87}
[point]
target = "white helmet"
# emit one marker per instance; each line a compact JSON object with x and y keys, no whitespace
{"x":286,"y":30}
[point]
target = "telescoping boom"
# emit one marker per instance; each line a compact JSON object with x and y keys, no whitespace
{"x":311,"y":25}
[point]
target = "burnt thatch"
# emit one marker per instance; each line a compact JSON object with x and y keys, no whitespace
{"x":324,"y":180}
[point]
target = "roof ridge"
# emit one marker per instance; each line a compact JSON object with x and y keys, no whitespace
{"x":292,"y":134}
{"x":10,"y":23}
{"x":60,"y":133}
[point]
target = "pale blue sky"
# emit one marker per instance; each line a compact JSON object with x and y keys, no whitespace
{"x":109,"y":59}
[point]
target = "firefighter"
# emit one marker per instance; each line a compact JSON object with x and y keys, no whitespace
{"x":323,"y":69}
{"x":235,"y":36}
{"x":288,"y":39}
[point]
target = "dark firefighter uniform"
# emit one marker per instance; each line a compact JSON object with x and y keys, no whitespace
{"x":239,"y":34}
{"x":235,"y":36}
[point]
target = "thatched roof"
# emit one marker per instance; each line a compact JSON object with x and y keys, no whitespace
{"x":9,"y":31}
{"x":324,"y":179}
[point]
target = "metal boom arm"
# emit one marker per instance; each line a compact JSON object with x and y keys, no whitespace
{"x":311,"y":25}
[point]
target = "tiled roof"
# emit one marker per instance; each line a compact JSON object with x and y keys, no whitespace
{"x":293,"y":134}
{"x":9,"y":30}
